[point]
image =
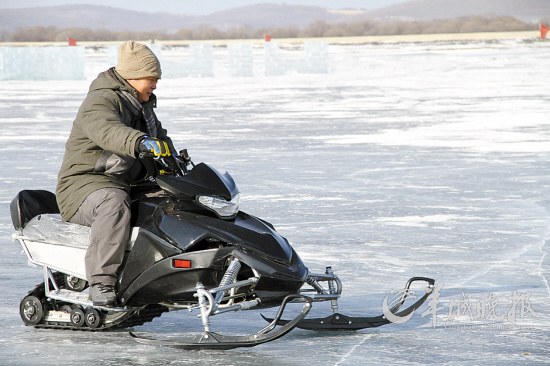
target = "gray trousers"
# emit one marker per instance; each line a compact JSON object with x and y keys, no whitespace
{"x":107,"y":212}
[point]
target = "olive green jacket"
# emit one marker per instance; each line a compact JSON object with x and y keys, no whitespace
{"x":101,"y":149}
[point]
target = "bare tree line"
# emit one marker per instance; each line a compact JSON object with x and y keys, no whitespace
{"x":315,"y":29}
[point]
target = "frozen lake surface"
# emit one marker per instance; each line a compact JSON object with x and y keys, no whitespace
{"x":427,"y":159}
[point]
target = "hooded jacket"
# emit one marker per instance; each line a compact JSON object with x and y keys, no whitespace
{"x":101,"y":149}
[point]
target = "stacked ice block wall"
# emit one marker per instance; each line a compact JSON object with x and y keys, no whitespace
{"x":313,"y":60}
{"x":195,"y":60}
{"x":241,"y":60}
{"x":42,"y":63}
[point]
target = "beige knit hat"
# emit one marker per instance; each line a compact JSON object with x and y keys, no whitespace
{"x":136,"y":61}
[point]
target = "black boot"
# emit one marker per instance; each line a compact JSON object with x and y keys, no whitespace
{"x":102,"y":295}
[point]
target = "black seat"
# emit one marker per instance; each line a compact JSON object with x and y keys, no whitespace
{"x":30,"y":203}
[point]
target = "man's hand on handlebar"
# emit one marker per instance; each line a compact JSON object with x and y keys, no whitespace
{"x":152,"y":147}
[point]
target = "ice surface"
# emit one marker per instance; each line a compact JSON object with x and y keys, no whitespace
{"x":42,"y":63}
{"x":427,"y":159}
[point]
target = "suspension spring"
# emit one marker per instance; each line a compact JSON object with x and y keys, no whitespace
{"x":229,"y":277}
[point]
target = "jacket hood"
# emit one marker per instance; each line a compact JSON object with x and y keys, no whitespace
{"x":112,"y":80}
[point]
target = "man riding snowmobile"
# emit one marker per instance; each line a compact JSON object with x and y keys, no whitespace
{"x":114,"y":124}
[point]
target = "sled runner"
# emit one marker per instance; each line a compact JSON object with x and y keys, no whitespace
{"x":338,"y":321}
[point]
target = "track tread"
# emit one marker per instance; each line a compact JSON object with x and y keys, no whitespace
{"x":136,"y":318}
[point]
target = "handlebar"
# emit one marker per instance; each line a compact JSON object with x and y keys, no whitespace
{"x":176,"y":164}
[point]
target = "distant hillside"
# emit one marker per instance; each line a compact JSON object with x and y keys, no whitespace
{"x":261,"y":15}
{"x":115,"y":19}
{"x":88,"y":16}
{"x":101,"y":23}
{"x":526,"y":10}
{"x":271,"y":15}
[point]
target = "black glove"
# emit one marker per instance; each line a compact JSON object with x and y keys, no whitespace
{"x":152,"y":147}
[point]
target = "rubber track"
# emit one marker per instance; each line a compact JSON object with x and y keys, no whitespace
{"x":138,"y":317}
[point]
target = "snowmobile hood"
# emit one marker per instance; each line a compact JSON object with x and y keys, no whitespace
{"x":246,"y":232}
{"x":201,"y":180}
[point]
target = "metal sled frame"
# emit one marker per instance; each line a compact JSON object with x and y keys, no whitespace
{"x":73,"y":297}
{"x":210,"y":304}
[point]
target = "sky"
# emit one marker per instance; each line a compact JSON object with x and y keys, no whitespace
{"x":194,"y":7}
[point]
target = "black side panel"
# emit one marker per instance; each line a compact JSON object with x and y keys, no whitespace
{"x":30,"y":203}
{"x":182,"y":233}
{"x":148,"y":249}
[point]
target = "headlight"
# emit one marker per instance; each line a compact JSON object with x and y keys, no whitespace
{"x":223,"y":208}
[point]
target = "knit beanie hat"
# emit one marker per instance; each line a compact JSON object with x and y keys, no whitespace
{"x":136,"y":61}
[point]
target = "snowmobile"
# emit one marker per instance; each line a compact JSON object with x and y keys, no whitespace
{"x":190,"y":248}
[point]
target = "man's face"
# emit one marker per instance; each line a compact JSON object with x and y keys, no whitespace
{"x":144,"y":87}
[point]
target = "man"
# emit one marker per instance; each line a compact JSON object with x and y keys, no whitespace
{"x":114,"y":125}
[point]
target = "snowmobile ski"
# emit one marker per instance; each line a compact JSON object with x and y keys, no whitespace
{"x":211,"y":340}
{"x":341,"y":322}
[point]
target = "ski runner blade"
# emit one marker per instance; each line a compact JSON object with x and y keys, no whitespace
{"x":341,"y":322}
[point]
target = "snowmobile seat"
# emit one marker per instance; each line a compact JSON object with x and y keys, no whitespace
{"x":30,"y":203}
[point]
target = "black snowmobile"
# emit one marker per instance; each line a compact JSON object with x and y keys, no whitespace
{"x":190,"y":248}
